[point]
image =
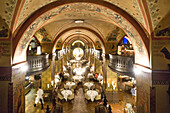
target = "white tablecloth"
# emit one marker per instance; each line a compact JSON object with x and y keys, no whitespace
{"x":70,"y":84}
{"x":88,"y":84}
{"x":56,"y":80}
{"x":66,"y":93}
{"x":57,"y":76}
{"x":100,"y":77}
{"x":78,"y":78}
{"x":90,"y":74}
{"x":92,"y":94}
{"x":66,"y":74}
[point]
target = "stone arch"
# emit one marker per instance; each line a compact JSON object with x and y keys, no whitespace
{"x":122,"y":18}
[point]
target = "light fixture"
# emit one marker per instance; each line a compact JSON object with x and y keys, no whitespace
{"x":38,"y":50}
{"x":79,"y":21}
{"x":78,"y":31}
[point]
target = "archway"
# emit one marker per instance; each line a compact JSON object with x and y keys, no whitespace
{"x":130,"y":26}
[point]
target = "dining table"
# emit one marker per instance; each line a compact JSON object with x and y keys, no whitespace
{"x":66,"y":74}
{"x":70,"y":84}
{"x":88,"y":84}
{"x":66,"y":93}
{"x":78,"y":77}
{"x":92,"y":94}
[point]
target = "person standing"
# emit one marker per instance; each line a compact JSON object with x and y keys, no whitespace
{"x":39,"y":97}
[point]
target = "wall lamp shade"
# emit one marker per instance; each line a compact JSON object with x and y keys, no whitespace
{"x":79,"y":21}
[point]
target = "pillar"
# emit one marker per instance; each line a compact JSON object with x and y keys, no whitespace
{"x":104,"y":69}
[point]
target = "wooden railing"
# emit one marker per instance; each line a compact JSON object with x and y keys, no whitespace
{"x":122,"y":64}
{"x":37,"y":63}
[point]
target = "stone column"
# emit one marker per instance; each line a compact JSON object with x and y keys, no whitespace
{"x":18,"y":84}
{"x":104,"y":69}
{"x":53,"y":67}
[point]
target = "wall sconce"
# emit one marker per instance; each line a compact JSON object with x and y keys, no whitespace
{"x":79,"y":21}
{"x":29,"y":47}
{"x":52,"y":83}
{"x":38,"y":50}
{"x":108,"y":85}
{"x":48,"y":86}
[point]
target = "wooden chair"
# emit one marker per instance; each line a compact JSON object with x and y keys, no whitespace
{"x":61,"y":89}
{"x":86,"y":97}
{"x":65,"y":86}
{"x":73,"y":87}
{"x":98,"y":97}
{"x":60,"y":97}
{"x":98,"y":91}
{"x":85,"y":90}
{"x":71,"y":97}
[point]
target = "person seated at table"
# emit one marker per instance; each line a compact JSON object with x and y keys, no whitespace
{"x":61,"y":76}
{"x":96,"y":75}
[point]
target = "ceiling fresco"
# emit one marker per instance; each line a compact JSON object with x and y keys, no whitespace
{"x":29,"y":7}
{"x":115,"y":35}
{"x":56,"y":27}
{"x":159,"y":13}
{"x":42,"y":35}
{"x":6,"y":14}
{"x":131,"y":7}
{"x":116,"y":18}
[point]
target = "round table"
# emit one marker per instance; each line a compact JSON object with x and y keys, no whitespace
{"x":70,"y":84}
{"x":92,"y":94}
{"x":66,"y":93}
{"x":78,"y":78}
{"x":88,"y":84}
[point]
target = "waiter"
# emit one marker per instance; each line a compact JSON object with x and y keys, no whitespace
{"x":39,"y":97}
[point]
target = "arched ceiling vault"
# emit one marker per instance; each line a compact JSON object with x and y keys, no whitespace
{"x":93,"y":35}
{"x":83,"y":37}
{"x":39,"y":18}
{"x":73,"y":39}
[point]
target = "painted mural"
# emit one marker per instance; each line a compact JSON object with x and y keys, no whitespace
{"x":7,"y":12}
{"x":18,"y":80}
{"x":4,"y":29}
{"x":5,"y":47}
{"x":164,"y":32}
{"x":112,"y":37}
{"x":42,"y":35}
{"x":97,"y":45}
{"x":138,"y":45}
{"x":133,"y":8}
{"x":159,"y":13}
{"x":161,"y":54}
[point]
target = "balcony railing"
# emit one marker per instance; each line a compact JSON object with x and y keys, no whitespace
{"x":37,"y":63}
{"x":122,"y":64}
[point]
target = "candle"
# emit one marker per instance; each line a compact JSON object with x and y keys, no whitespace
{"x":114,"y":87}
{"x":108,"y":85}
{"x":112,"y":83}
{"x":48,"y":86}
{"x":52,"y":83}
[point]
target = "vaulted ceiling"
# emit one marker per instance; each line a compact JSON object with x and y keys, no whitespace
{"x":150,"y":14}
{"x":104,"y":21}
